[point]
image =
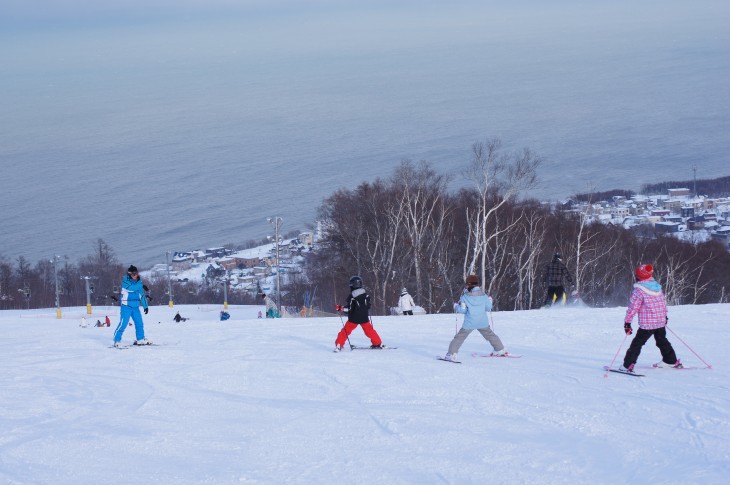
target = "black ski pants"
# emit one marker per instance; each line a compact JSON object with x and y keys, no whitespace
{"x":555,"y":293}
{"x":642,"y":336}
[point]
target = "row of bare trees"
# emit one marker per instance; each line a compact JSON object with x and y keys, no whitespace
{"x":26,"y":286}
{"x":23,"y":285}
{"x":409,"y":230}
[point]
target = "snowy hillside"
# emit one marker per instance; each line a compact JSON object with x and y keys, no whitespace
{"x":267,"y":401}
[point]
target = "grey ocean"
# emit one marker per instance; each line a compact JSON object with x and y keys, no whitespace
{"x":187,"y":134}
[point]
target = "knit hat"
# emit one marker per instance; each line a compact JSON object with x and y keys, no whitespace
{"x":403,"y":291}
{"x":644,"y":272}
{"x":472,"y":279}
{"x":132,"y":269}
{"x":558,"y":256}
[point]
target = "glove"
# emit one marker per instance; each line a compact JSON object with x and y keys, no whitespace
{"x":627,"y":328}
{"x":146,"y":310}
{"x":144,"y":287}
{"x":338,"y":308}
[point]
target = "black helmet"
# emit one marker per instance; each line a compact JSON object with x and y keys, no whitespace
{"x":355,"y":282}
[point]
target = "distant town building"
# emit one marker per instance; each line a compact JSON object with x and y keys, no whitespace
{"x":306,"y":238}
{"x":696,"y":223}
{"x":683,"y":192}
{"x":667,"y":227}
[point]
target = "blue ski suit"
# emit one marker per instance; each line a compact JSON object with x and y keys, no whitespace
{"x":132,"y":296}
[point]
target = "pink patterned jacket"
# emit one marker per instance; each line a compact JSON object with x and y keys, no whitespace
{"x":648,"y":301}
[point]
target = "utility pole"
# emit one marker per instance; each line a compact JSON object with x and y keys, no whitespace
{"x":89,"y":291}
{"x":694,"y":169}
{"x":169,"y":278}
{"x":225,"y":292}
{"x":276,"y":221}
{"x":55,"y":277}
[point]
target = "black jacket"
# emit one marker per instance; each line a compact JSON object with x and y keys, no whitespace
{"x":358,"y":304}
{"x":556,"y":273}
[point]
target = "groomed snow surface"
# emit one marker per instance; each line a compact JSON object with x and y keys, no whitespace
{"x":267,"y":401}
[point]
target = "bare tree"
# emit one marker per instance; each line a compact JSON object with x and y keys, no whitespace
{"x":527,"y":251}
{"x":497,"y":178}
{"x":682,"y":267}
{"x":424,"y":217}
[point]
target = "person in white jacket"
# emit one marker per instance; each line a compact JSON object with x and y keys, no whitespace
{"x":406,"y":303}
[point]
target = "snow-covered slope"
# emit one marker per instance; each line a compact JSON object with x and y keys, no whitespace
{"x":267,"y":401}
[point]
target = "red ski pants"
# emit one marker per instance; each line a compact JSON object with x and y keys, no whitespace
{"x":366,"y":327}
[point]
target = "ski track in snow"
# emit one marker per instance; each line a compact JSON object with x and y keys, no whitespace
{"x":267,"y":401}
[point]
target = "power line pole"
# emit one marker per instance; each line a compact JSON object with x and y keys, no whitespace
{"x":169,"y":278}
{"x":277,"y":221}
{"x":55,"y":277}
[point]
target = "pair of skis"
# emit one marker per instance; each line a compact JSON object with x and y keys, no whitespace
{"x":124,"y":347}
{"x":627,"y":373}
{"x":624,"y":372}
{"x":477,"y":354}
{"x":358,"y":347}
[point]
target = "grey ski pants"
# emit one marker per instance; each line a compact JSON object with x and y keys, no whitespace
{"x":462,"y":334}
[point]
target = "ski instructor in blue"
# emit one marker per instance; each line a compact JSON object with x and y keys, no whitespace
{"x":133,"y":296}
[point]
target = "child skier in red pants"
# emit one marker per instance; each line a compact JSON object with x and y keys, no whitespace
{"x":357,"y":308}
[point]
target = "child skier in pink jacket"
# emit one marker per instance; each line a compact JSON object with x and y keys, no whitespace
{"x":647,"y":300}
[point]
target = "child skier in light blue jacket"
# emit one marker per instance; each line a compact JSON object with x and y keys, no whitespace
{"x":133,"y":296}
{"x":475,"y":305}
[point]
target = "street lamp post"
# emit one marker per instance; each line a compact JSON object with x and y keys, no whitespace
{"x":55,"y":277}
{"x":169,"y":278}
{"x":225,"y":292}
{"x":89,"y":290}
{"x":276,"y":221}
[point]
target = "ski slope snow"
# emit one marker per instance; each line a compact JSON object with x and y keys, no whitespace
{"x":254,"y":400}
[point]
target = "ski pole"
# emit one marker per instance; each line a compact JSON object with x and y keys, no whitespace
{"x":456,"y":320}
{"x":614,"y":357}
{"x":690,"y":348}
{"x":343,"y":329}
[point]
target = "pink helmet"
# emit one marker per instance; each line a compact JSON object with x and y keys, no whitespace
{"x":644,"y":272}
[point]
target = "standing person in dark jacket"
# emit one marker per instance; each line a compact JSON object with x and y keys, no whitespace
{"x":357,"y":308}
{"x":133,"y":295}
{"x":555,"y":275}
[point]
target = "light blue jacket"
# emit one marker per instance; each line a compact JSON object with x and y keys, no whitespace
{"x":133,"y":293}
{"x":475,"y":305}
